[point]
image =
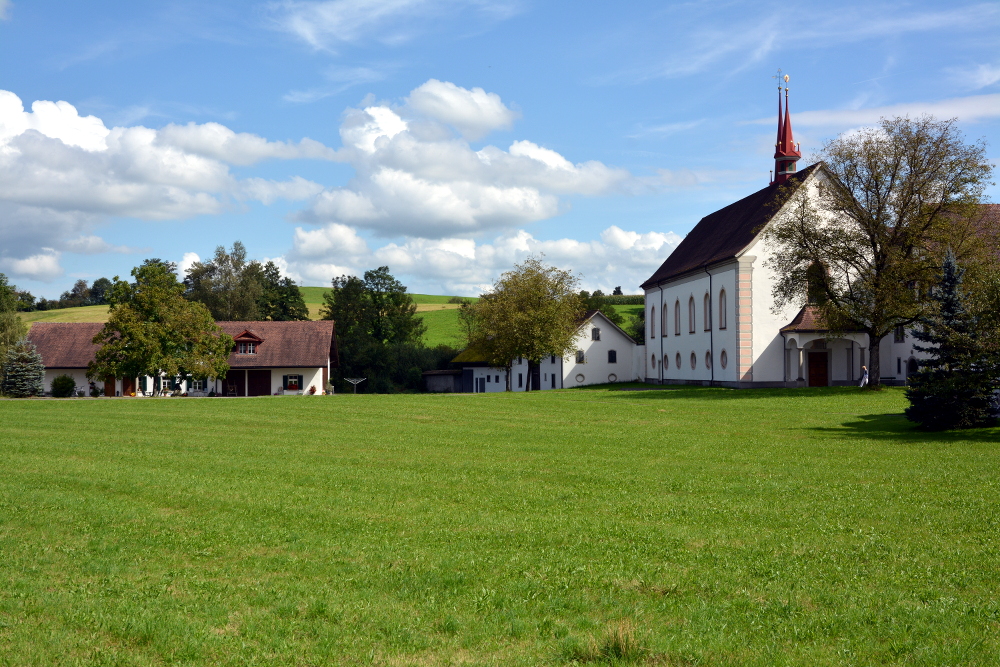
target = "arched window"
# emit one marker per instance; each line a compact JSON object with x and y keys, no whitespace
{"x":652,"y":323}
{"x":722,"y":309}
{"x":612,"y":357}
{"x":708,"y":312}
{"x":595,"y":334}
{"x":652,"y":360}
{"x":677,"y":318}
{"x":691,"y":315}
{"x":663,"y":324}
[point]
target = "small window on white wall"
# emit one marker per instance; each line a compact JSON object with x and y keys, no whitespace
{"x":708,"y":360}
{"x":691,"y":315}
{"x":663,"y":324}
{"x":652,"y":322}
{"x":708,"y":312}
{"x":723,"y":359}
{"x":722,"y":309}
{"x":677,"y":317}
{"x":581,"y":357}
{"x":694,"y":361}
{"x":595,"y":334}
{"x":612,"y":357}
{"x":677,"y":360}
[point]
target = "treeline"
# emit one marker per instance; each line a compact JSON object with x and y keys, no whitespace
{"x":81,"y":294}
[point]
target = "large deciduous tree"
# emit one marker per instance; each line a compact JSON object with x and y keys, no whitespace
{"x":280,"y":299}
{"x":531,"y":312}
{"x":865,"y":250}
{"x":12,"y":328}
{"x":379,"y":335}
{"x":228,"y":284}
{"x":152,"y":328}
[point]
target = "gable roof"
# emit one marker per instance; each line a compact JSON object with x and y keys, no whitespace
{"x":722,"y":235}
{"x":65,"y":344}
{"x":283,"y":344}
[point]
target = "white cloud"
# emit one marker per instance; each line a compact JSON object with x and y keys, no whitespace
{"x":414,"y":179}
{"x":95,"y":245}
{"x":326,"y":24}
{"x":5,"y":6}
{"x":967,"y":109}
{"x":43,"y":266}
{"x":186,"y":263}
{"x":62,"y":174}
{"x":463,"y":266}
{"x":217,"y":141}
{"x":474,"y":113}
{"x":976,"y":78}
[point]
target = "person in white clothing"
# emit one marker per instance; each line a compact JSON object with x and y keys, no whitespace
{"x":864,"y":376}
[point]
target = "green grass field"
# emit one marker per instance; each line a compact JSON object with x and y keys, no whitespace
{"x":683,"y":527}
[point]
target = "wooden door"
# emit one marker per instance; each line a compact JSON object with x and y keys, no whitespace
{"x":819,"y":375}
{"x":109,"y":386}
{"x":536,"y":378}
{"x":259,"y":383}
{"x":128,"y":386}
{"x":234,"y":384}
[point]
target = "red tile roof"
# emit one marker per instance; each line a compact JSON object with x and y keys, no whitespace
{"x":285,"y":344}
{"x":808,"y":320}
{"x":65,"y":344}
{"x":721,"y":235}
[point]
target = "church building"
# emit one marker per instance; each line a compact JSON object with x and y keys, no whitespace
{"x":710,"y":316}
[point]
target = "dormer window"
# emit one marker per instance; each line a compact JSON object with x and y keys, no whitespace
{"x":247,"y":342}
{"x":246,"y":347}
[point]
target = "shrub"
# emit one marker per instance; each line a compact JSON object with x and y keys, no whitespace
{"x":619,"y":645}
{"x":23,"y":371}
{"x":63,"y":386}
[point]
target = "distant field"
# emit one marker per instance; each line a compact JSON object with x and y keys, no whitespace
{"x":82,"y":314}
{"x":704,"y":526}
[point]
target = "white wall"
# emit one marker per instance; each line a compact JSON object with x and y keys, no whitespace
{"x":596,"y":369}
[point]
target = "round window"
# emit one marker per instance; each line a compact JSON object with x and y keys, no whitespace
{"x":694,"y":361}
{"x":708,"y":360}
{"x":666,"y":361}
{"x":677,"y":360}
{"x":723,"y":359}
{"x":612,"y":378}
{"x":579,"y":377}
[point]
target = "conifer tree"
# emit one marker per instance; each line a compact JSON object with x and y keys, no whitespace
{"x":954,"y":388}
{"x":23,"y":371}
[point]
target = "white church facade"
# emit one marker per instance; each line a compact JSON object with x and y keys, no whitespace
{"x":710,"y":312}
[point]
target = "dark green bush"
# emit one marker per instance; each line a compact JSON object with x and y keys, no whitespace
{"x":63,"y":386}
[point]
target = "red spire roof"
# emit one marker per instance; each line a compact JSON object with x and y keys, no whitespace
{"x":785,"y":152}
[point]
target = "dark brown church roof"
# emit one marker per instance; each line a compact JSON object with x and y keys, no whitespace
{"x":284,"y":344}
{"x":721,"y":235}
{"x":65,"y":344}
{"x":807,"y":320}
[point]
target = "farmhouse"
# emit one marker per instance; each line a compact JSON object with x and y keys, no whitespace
{"x":710,"y":313}
{"x":604,"y":353}
{"x":268,"y":358}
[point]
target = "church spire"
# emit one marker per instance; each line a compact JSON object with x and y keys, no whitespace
{"x":786,"y":152}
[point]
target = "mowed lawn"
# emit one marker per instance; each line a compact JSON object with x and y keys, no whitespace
{"x":705,"y":526}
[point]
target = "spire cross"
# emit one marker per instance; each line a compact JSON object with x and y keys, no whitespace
{"x":778,"y":77}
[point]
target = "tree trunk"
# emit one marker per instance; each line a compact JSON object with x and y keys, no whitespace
{"x":874,"y":364}
{"x":527,"y":383}
{"x":508,"y":368}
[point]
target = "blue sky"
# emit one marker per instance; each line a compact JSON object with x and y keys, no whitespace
{"x":447,"y":139}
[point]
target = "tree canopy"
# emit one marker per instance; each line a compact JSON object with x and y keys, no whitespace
{"x":379,"y":335}
{"x":152,"y":328}
{"x":531,"y":312}
{"x":879,"y":226}
{"x":23,"y":371}
{"x":12,"y":328}
{"x":236,"y":289}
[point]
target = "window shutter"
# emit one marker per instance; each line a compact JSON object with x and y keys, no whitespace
{"x":284,"y":382}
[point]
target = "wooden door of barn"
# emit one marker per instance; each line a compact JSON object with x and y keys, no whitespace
{"x":259,"y":382}
{"x":819,"y":371}
{"x":109,"y":386}
{"x":128,"y":386}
